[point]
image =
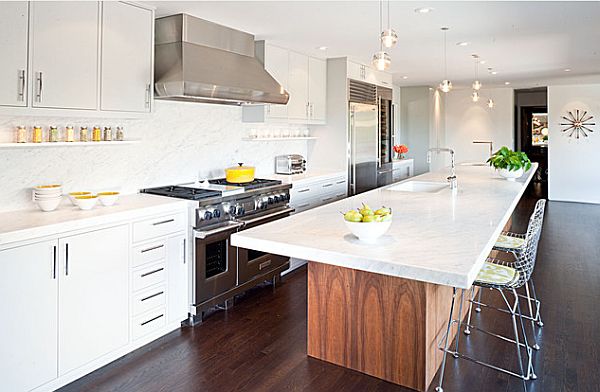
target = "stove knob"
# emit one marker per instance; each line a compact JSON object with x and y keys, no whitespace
{"x":217,"y":213}
{"x":276,"y":198}
{"x":231,"y":210}
{"x":239,"y":210}
{"x":270,"y":200}
{"x":287,"y":197}
{"x":208,"y":215}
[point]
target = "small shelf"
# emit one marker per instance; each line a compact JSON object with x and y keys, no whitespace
{"x":66,"y":144}
{"x":277,"y":139}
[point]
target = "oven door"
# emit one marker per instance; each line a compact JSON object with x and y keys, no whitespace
{"x":215,"y":262}
{"x":252,"y":262}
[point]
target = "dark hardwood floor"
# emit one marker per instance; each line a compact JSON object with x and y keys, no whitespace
{"x":260,"y":344}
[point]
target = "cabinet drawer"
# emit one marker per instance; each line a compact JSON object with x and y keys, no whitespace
{"x":158,"y":227}
{"x":303,"y":205}
{"x":148,"y":299}
{"x":149,"y":252}
{"x":148,"y":322}
{"x":302,"y":192}
{"x":148,"y":276}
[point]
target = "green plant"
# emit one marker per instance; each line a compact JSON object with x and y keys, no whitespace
{"x":505,"y":158}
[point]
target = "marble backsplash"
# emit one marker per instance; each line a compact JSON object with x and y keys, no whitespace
{"x":179,"y":142}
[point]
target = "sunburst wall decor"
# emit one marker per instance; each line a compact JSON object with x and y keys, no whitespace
{"x":577,"y":124}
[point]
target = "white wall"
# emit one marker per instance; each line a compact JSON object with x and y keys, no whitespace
{"x":573,"y":165}
{"x":180,"y":142}
{"x":467,"y":121}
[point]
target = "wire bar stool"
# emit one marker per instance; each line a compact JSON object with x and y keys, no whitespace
{"x":505,"y":278}
{"x":514,"y":244}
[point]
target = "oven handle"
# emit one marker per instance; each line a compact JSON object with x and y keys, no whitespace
{"x":288,"y":210}
{"x":203,"y":234}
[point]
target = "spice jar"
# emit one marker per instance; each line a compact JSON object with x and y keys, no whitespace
{"x":120,"y":136}
{"x":84,"y":134}
{"x":107,"y":134}
{"x":70,"y":135}
{"x":21,"y":134}
{"x":96,"y":134}
{"x":53,"y":134}
{"x":37,"y":134}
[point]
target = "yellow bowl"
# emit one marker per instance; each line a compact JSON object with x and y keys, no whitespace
{"x":108,"y":198}
{"x":86,"y":202}
{"x":48,"y":186}
{"x":85,"y":197}
{"x":73,"y":195}
{"x":108,"y":193}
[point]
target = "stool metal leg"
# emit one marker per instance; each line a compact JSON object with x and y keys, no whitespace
{"x":537,"y":304}
{"x":478,"y":308}
{"x":533,"y":331}
{"x":439,"y":387}
{"x":467,"y":330}
{"x":459,"y":324}
{"x":516,"y":331}
{"x":528,"y":349}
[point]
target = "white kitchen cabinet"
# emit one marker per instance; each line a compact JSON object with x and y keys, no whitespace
{"x":29,"y":309}
{"x":298,"y":104}
{"x":177,"y":272}
{"x":65,"y":54}
{"x":368,"y":74}
{"x":127,"y":45}
{"x":13,"y":41}
{"x":310,"y":193}
{"x":317,"y":89}
{"x":93,"y":296}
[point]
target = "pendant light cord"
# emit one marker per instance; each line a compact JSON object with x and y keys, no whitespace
{"x":445,"y":55}
{"x":388,"y":13}
{"x":380,"y":25}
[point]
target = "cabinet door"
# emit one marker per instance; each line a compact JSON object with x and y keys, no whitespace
{"x":28,"y":288}
{"x":65,"y":54}
{"x":126,"y":57}
{"x":355,"y":71}
{"x":177,"y":272}
{"x":317,"y":88}
{"x":298,"y":86}
{"x":13,"y":46}
{"x":93,"y":296}
{"x":277,"y":64}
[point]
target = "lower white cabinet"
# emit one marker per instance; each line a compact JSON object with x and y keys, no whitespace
{"x":177,"y":272}
{"x":311,"y":193}
{"x":93,"y":295}
{"x":29,"y":309}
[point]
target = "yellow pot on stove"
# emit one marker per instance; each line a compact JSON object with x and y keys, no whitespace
{"x":239,"y":174}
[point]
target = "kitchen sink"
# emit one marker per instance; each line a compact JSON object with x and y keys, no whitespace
{"x":419,"y":186}
{"x":473,"y":164}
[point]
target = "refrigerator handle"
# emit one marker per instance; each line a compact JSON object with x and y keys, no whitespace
{"x":352,"y":152}
{"x":379,"y":132}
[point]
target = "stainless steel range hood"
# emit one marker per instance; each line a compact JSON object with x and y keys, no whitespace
{"x":200,"y":61}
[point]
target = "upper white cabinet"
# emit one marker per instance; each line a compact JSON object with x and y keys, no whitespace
{"x":304,"y":77}
{"x":65,"y":54}
{"x":127,"y":43}
{"x":13,"y":41}
{"x":29,"y":308}
{"x":93,"y":295}
{"x":368,"y":74}
{"x":76,"y":57}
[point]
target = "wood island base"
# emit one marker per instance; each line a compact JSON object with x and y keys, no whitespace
{"x":383,"y":326}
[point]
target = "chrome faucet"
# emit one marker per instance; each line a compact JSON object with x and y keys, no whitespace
{"x":452,"y":178}
{"x":490,"y":143}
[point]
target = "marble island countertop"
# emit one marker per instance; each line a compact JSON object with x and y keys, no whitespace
{"x":441,"y":238}
{"x":33,"y":223}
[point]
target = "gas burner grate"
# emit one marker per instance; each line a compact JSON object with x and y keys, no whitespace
{"x":182,"y":192}
{"x":255,"y":184}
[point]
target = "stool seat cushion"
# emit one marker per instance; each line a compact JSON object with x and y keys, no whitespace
{"x":509,"y":242}
{"x":496,"y":274}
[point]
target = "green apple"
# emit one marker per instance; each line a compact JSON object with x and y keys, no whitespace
{"x":369,"y":218}
{"x":366,"y":211}
{"x":353,"y":216}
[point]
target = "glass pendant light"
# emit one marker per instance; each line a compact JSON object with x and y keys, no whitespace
{"x":475,"y":96}
{"x":388,"y":36}
{"x":446,"y":84}
{"x":476,"y":84}
{"x":381,"y":60}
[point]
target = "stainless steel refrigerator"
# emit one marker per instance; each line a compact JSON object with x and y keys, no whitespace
{"x":363,"y":141}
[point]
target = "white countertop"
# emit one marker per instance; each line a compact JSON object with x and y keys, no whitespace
{"x":441,"y":238}
{"x":309,"y":175}
{"x":34,"y":223}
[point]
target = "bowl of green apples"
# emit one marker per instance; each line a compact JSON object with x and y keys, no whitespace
{"x":368,"y":224}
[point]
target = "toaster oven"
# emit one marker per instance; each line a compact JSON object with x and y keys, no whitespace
{"x":290,"y":164}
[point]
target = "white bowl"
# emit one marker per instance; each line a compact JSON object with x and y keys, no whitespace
{"x":48,"y":189}
{"x":510,"y":175}
{"x":108,"y":198}
{"x":49,"y":196}
{"x":86,"y":202}
{"x":368,"y":232}
{"x":73,"y":195}
{"x":48,"y":204}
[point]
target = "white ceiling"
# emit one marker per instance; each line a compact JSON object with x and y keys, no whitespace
{"x":522,"y":41}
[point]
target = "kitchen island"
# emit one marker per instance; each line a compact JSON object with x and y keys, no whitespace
{"x":381,"y":308}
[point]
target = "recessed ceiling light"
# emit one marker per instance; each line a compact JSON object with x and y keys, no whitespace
{"x":482,"y":61}
{"x":405,"y":77}
{"x":507,"y":83}
{"x":423,"y":10}
{"x":567,"y":69}
{"x":322,"y":48}
{"x":494,"y":73}
{"x":463,"y":43}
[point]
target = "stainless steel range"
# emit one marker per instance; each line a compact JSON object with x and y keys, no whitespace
{"x":221,"y":271}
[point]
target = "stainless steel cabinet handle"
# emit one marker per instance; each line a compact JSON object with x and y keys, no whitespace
{"x":306,"y":109}
{"x":21,"y":90}
{"x":230,"y":227}
{"x":264,"y":265}
{"x":304,"y":190}
{"x":151,"y":320}
{"x":327,"y":185}
{"x":268,"y":109}
{"x":311,"y":109}
{"x":303,"y":205}
{"x":147,"y":102}
{"x":40,"y":86}
{"x":282,"y":212}
{"x":66,"y":259}
{"x":151,"y":272}
{"x":153,"y":248}
{"x":163,"y":222}
{"x":184,"y":250}
{"x":341,"y":182}
{"x":151,"y":296}
{"x":327,"y":199}
{"x":54,"y":262}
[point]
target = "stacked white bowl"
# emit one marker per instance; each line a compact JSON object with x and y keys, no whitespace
{"x":47,"y":197}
